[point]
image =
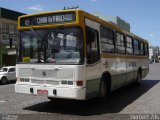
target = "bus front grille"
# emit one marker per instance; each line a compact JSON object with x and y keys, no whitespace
{"x":37,"y":81}
{"x":52,"y":82}
{"x":49,"y":82}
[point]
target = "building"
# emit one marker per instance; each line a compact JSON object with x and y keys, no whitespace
{"x":115,"y":20}
{"x":154,"y":53}
{"x":150,"y":52}
{"x":8,"y":36}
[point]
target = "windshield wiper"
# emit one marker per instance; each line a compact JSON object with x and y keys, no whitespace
{"x":40,"y":43}
{"x":35,"y":34}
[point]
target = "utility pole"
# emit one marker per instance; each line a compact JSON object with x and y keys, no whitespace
{"x":10,"y":41}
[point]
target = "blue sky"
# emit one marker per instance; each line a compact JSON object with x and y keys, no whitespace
{"x":143,"y":15}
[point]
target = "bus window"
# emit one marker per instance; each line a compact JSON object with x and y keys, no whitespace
{"x":107,"y":40}
{"x":136,"y":47}
{"x":92,"y":46}
{"x":141,"y":48}
{"x":129,"y":45}
{"x":120,"y":43}
{"x":146,"y":49}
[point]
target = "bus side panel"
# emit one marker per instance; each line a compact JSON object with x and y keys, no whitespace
{"x":117,"y":69}
{"x":145,"y":67}
{"x":92,"y":88}
{"x":120,"y":72}
{"x":131,"y":70}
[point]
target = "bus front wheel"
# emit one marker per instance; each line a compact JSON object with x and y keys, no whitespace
{"x":102,"y":89}
{"x":138,"y":81}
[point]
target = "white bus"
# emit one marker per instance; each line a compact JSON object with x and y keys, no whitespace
{"x":72,"y":54}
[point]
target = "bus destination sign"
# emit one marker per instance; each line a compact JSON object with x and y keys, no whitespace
{"x":48,"y":19}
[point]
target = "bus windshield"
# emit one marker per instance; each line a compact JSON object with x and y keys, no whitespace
{"x":53,"y":46}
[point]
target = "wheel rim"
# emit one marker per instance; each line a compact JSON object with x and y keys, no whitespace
{"x":103,"y":89}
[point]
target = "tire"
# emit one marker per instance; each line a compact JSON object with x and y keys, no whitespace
{"x":138,"y":79}
{"x":53,"y":99}
{"x":102,"y":89}
{"x":56,"y":100}
{"x":4,"y":81}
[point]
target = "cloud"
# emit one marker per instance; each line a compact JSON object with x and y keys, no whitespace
{"x":151,"y":34}
{"x":93,"y":0}
{"x":36,"y":8}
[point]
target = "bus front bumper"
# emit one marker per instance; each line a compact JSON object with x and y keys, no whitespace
{"x":55,"y":92}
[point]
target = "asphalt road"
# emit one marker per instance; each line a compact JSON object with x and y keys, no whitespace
{"x":122,"y":103}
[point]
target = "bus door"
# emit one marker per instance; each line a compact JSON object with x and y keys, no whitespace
{"x":93,"y":71}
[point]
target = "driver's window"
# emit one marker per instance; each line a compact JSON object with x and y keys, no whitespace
{"x":92,"y":39}
{"x":11,"y":70}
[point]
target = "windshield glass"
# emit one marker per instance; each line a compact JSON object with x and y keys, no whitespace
{"x":52,"y":46}
{"x":4,"y":70}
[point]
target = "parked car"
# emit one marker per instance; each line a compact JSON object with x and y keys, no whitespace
{"x":7,"y":74}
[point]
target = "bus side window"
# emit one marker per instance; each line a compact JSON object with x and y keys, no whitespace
{"x":129,"y":45}
{"x":142,"y":48}
{"x":136,"y":47}
{"x":120,"y":43}
{"x":146,"y":49}
{"x":107,"y":40}
{"x":93,"y":54}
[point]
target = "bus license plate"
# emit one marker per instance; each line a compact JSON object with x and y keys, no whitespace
{"x":42,"y":92}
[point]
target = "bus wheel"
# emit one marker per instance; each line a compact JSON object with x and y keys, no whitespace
{"x":138,"y":78}
{"x":3,"y":81}
{"x":54,"y":99}
{"x":102,"y":89}
{"x":51,"y":99}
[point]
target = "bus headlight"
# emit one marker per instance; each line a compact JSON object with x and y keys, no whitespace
{"x":64,"y":82}
{"x":24,"y":80}
{"x":70,"y":82}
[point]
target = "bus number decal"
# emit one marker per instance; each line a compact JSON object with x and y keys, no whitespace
{"x":106,"y":64}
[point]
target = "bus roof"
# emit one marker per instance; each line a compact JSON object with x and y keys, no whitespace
{"x":48,"y":12}
{"x":112,"y":26}
{"x":90,"y":16}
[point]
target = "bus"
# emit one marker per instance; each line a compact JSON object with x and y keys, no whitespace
{"x":72,"y":54}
